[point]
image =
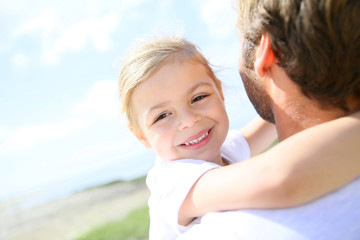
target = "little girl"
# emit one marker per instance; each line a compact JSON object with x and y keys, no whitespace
{"x":175,"y":105}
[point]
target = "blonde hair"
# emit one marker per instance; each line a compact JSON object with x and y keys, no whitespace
{"x":147,"y":58}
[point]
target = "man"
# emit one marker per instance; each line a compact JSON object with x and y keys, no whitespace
{"x":300,"y":60}
{"x":300,"y":64}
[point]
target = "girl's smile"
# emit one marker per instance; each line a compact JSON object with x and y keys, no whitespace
{"x":194,"y":142}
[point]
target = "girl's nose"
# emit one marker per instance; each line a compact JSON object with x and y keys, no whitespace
{"x":188,"y":119}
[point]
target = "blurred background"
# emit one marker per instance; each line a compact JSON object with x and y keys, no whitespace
{"x":60,"y":128}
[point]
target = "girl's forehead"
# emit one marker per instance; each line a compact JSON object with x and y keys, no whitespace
{"x":182,"y":61}
{"x":177,"y":64}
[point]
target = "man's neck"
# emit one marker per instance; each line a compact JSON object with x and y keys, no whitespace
{"x":298,"y":117}
{"x":293,"y":111}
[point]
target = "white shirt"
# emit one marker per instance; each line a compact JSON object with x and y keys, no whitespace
{"x":170,"y":182}
{"x":335,"y":216}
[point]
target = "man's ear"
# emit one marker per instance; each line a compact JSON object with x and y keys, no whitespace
{"x":139,"y":135}
{"x":264,"y":56}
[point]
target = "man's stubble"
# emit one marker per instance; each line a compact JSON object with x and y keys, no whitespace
{"x":257,"y":94}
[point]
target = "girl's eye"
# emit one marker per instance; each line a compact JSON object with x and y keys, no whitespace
{"x":198,"y":98}
{"x":161,"y":116}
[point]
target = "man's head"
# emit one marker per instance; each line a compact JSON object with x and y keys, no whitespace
{"x":316,"y":42}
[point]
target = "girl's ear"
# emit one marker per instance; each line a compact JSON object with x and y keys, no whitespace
{"x":139,"y":135}
{"x":264,"y":56}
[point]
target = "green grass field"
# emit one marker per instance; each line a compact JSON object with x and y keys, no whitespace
{"x":134,"y":227}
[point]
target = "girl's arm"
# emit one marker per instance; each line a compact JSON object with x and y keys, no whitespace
{"x":302,"y":168}
{"x":259,"y":134}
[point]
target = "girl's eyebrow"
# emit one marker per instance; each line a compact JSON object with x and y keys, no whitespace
{"x":193,"y":88}
{"x":157,"y":106}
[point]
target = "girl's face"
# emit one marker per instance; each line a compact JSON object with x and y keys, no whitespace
{"x":181,"y":113}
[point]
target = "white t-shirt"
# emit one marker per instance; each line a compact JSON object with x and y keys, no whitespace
{"x":170,"y":182}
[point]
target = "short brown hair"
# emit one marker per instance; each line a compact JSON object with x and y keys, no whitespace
{"x":317,"y":42}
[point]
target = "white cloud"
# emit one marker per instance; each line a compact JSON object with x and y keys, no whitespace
{"x":101,"y":102}
{"x":4,"y":134}
{"x":19,"y":60}
{"x":218,"y":16}
{"x":69,"y":26}
{"x":96,"y":31}
{"x":60,"y":31}
{"x":33,"y":135}
{"x":109,"y":152}
{"x":44,"y":23}
{"x":101,"y":31}
{"x":99,"y":105}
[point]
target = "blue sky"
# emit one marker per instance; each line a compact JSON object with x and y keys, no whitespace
{"x":58,"y":98}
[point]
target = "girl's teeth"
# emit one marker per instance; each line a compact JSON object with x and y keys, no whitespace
{"x":197,"y":140}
